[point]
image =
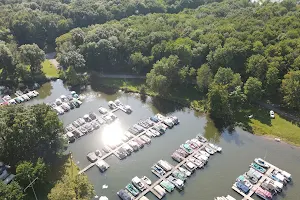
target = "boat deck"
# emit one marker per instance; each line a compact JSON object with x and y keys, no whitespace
{"x":150,"y":188}
{"x":258,"y":184}
{"x":118,"y":108}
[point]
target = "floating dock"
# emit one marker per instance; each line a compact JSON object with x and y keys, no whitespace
{"x":150,"y":188}
{"x":264,"y":177}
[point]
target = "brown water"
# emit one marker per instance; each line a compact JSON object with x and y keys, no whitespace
{"x":239,"y":148}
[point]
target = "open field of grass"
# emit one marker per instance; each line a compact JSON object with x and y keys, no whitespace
{"x":49,"y":69}
{"x":262,"y":124}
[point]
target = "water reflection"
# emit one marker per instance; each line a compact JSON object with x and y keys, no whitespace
{"x":45,"y":90}
{"x":165,"y":106}
{"x":113,"y":133}
{"x":211,"y":132}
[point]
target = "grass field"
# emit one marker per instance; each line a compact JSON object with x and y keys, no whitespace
{"x":49,"y":69}
{"x":262,"y":124}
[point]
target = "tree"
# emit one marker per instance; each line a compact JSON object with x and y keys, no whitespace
{"x":218,"y":103}
{"x":253,"y":89}
{"x":237,"y":98}
{"x":72,"y":188}
{"x":32,"y":55}
{"x":26,"y":127}
{"x":290,"y":88}
{"x":163,"y":75}
{"x":72,"y":58}
{"x":12,"y":191}
{"x":72,"y":77}
{"x":226,"y":77}
{"x":139,"y":62}
{"x":257,"y":66}
{"x":6,"y":60}
{"x":26,"y":170}
{"x":77,"y":36}
{"x":272,"y":80}
{"x":204,"y":78}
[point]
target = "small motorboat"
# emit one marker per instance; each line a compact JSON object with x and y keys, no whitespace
{"x":261,"y":162}
{"x":258,"y":168}
{"x":277,"y":139}
{"x":209,"y":150}
{"x":136,"y":181}
{"x":187,"y":148}
{"x":186,"y":172}
{"x":146,"y":180}
{"x":132,"y":189}
{"x":217,"y":148}
{"x":204,"y":153}
{"x":201,"y":138}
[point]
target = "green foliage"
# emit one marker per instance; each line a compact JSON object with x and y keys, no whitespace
{"x":253,"y":89}
{"x":139,"y":62}
{"x":218,"y":103}
{"x":257,"y":66}
{"x":31,"y":54}
{"x":227,"y":78}
{"x":272,"y":80}
{"x":26,"y":171}
{"x":12,"y":191}
{"x":291,"y":89}
{"x":204,"y":77}
{"x":163,"y":75}
{"x":23,"y":128}
{"x":72,"y":188}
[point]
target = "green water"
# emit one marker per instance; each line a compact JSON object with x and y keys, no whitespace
{"x":239,"y":148}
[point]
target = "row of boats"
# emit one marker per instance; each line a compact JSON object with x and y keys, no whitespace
{"x":134,"y":188}
{"x":66,"y":103}
{"x":190,"y":146}
{"x":271,"y":186}
{"x":117,"y":104}
{"x":83,"y":125}
{"x":20,"y":97}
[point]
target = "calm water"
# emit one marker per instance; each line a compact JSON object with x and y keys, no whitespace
{"x":239,"y":148}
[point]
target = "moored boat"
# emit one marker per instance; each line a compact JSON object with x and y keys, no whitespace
{"x":124,"y":195}
{"x":258,"y":168}
{"x":177,"y":174}
{"x":266,"y":195}
{"x":186,"y":172}
{"x":261,"y":162}
{"x":177,"y":157}
{"x":197,"y":162}
{"x":187,"y":148}
{"x":136,"y":181}
{"x":165,"y":165}
{"x":167,"y":185}
{"x":215,"y":147}
{"x":190,"y":166}
{"x":132,"y":189}
{"x":161,"y":191}
{"x":201,"y":138}
{"x":157,"y":170}
{"x":146,"y":180}
{"x":204,"y":153}
{"x":209,"y":150}
{"x":179,"y":184}
{"x":241,"y":186}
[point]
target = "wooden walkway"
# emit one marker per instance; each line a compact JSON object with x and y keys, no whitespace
{"x":150,"y":188}
{"x":258,"y":184}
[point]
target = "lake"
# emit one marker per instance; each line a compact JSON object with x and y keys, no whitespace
{"x":239,"y":147}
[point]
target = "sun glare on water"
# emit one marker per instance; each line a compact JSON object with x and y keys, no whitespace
{"x":112,"y":134}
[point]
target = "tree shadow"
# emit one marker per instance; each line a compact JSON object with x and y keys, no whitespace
{"x":166,"y":106}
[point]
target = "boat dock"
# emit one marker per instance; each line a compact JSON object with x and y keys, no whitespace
{"x":258,"y":184}
{"x":110,"y":153}
{"x":150,"y":188}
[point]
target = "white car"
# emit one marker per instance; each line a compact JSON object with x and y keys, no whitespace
{"x":272,"y":114}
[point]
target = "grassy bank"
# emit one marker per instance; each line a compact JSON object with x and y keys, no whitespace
{"x":49,"y":69}
{"x":260,"y":124}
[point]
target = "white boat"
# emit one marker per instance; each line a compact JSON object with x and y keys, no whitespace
{"x":146,"y":180}
{"x":136,"y":181}
{"x":165,"y":165}
{"x":102,"y":110}
{"x":287,"y":175}
{"x":161,"y":191}
{"x":102,"y":165}
{"x":128,"y":109}
{"x":215,"y":147}
{"x":204,"y":153}
{"x":261,"y":162}
{"x":277,"y":139}
{"x":186,"y":172}
{"x":209,"y":150}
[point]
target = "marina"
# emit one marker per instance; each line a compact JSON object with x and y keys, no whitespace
{"x":269,"y":183}
{"x":168,"y":174}
{"x":239,"y":147}
{"x":119,"y":150}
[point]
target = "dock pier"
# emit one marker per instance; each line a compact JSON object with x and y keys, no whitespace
{"x":258,"y":184}
{"x":150,"y":188}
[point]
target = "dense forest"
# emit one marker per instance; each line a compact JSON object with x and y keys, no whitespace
{"x":226,"y":48}
{"x":41,"y":21}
